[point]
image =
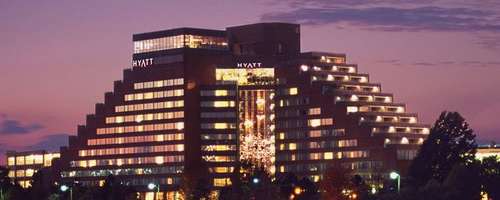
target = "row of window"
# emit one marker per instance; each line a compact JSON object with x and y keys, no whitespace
{"x":319,"y":144}
{"x":217,"y":104}
{"x":218,"y":125}
{"x":321,"y":155}
{"x":222,"y":182}
{"x":21,"y":173}
{"x":217,"y":93}
{"x":319,"y":122}
{"x":311,"y":134}
{"x":154,"y":95}
{"x":218,"y":158}
{"x":294,"y":101}
{"x":288,"y":91}
{"x":312,"y":167}
{"x":221,"y":170}
{"x":34,"y":159}
{"x":141,"y":128}
{"x":180,"y":41}
{"x":406,"y":154}
{"x":344,"y":78}
{"x":218,"y":147}
{"x":218,"y":136}
{"x":158,"y":84}
{"x":150,"y":106}
{"x":392,"y":109}
{"x":131,"y":150}
{"x":218,"y":115}
{"x":128,"y":161}
{"x":398,"y":129}
{"x":144,"y":117}
{"x":136,"y":139}
{"x":124,"y":171}
{"x":389,"y":119}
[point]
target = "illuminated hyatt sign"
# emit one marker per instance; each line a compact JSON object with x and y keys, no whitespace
{"x":249,"y":65}
{"x":142,"y":63}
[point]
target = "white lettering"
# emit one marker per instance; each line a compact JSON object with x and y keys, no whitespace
{"x":142,"y":63}
{"x":249,"y":65}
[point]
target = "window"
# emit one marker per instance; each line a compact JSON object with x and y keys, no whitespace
{"x":293,"y":91}
{"x":352,"y":109}
{"x":328,"y":155}
{"x":11,"y":161}
{"x":314,"y":111}
{"x":20,"y":160}
{"x":222,"y":182}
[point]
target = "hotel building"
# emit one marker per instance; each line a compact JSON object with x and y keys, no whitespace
{"x":23,"y":165}
{"x":195,"y":97}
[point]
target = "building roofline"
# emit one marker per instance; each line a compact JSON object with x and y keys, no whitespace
{"x":178,"y":31}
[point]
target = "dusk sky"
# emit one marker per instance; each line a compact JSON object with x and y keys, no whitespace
{"x":58,"y":58}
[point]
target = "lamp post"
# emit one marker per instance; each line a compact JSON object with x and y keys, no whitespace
{"x":65,"y":188}
{"x":394,"y":175}
{"x":152,"y":186}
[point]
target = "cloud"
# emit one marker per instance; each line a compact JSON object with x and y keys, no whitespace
{"x":430,"y":18}
{"x":444,"y":63}
{"x":9,"y":126}
{"x":479,"y":17}
{"x":329,"y":3}
{"x":50,"y":142}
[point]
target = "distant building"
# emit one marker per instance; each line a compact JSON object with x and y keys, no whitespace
{"x":484,"y":151}
{"x":196,"y":96}
{"x":23,"y":165}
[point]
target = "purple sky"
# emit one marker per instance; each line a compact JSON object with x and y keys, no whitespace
{"x":59,"y":57}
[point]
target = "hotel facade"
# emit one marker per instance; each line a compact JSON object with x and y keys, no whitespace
{"x":195,"y":97}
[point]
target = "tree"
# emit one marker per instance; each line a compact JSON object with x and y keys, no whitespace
{"x":250,"y":182}
{"x":113,"y":189}
{"x":449,"y":143}
{"x":463,"y":182}
{"x":195,"y":182}
{"x":490,"y":176}
{"x":336,"y":182}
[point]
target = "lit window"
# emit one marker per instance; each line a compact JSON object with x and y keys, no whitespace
{"x":11,"y":161}
{"x":179,"y":125}
{"x":314,"y":122}
{"x":292,"y":146}
{"x":20,"y":160}
{"x":222,"y":182}
{"x":221,"y":92}
{"x":293,"y":91}
{"x":404,"y":140}
{"x":30,"y":172}
{"x":352,"y":109}
{"x":159,"y":160}
{"x":328,"y":155}
{"x":304,"y":67}
{"x":314,"y":111}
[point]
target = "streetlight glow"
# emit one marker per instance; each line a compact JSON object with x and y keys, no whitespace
{"x":64,"y":188}
{"x":255,"y":180}
{"x":394,"y":175}
{"x":151,"y":186}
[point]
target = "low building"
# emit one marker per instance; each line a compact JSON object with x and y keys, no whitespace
{"x":484,"y":151}
{"x":23,"y":165}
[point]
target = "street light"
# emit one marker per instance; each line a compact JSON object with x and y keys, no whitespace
{"x":255,"y":180}
{"x":394,"y":175}
{"x":65,"y":188}
{"x":152,"y":186}
{"x":297,"y":190}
